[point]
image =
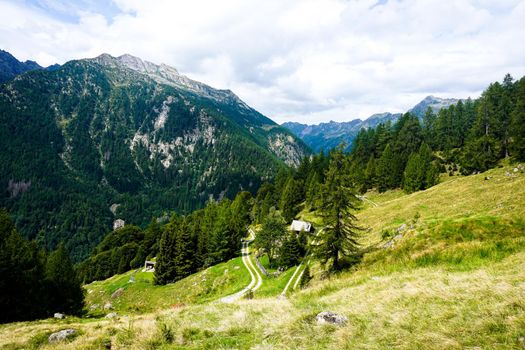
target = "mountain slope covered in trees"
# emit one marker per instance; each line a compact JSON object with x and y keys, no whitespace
{"x":106,"y":138}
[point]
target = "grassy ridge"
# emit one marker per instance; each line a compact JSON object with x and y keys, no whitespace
{"x":454,"y":278}
{"x":143,"y":296}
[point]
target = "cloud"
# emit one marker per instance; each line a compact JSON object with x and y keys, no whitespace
{"x":302,"y":60}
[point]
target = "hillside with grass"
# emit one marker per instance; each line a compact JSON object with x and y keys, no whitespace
{"x":442,"y":268}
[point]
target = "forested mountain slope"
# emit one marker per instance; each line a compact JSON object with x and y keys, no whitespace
{"x":128,"y":135}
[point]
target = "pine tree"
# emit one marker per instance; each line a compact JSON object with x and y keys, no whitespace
{"x":271,"y":235}
{"x":429,"y":126}
{"x":165,"y":268}
{"x":64,"y":288}
{"x":289,"y":253}
{"x":414,"y":174}
{"x":184,"y":250}
{"x":386,"y":170}
{"x":370,"y":174}
{"x":23,"y":295}
{"x":290,"y":199}
{"x":306,"y":277}
{"x":430,"y":173}
{"x":339,"y":235}
{"x":518,"y":122}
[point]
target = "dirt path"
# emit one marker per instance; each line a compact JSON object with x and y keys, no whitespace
{"x":299,"y":270}
{"x":256,"y":280}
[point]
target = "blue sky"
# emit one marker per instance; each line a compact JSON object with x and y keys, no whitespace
{"x":300,"y":60}
{"x":71,"y":11}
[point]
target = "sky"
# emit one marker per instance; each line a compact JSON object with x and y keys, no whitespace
{"x":307,"y":61}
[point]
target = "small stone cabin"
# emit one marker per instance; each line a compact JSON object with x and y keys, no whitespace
{"x":118,"y":224}
{"x":149,"y":266}
{"x":298,"y":226}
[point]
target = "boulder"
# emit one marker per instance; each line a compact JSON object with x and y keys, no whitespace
{"x":401,"y":228}
{"x":58,"y":315}
{"x":108,"y":306}
{"x":112,"y":315}
{"x":388,"y":244}
{"x":94,"y":306}
{"x":61,"y":335}
{"x":116,"y":294}
{"x":327,"y":317}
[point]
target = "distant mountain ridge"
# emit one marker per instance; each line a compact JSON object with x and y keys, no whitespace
{"x":10,"y":67}
{"x":325,"y":136}
{"x":112,"y":138}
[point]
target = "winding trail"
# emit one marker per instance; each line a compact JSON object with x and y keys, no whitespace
{"x":256,"y":281}
{"x":299,"y":270}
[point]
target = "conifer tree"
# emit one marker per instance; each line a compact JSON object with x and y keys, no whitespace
{"x":290,"y":198}
{"x":370,"y":173}
{"x":64,"y":288}
{"x":184,"y":250}
{"x":414,"y":174}
{"x":289,"y":253}
{"x":518,"y":123}
{"x":306,"y":277}
{"x":386,"y":170}
{"x":339,"y":235}
{"x":271,"y":234}
{"x":165,"y":268}
{"x":429,"y":126}
{"x":22,"y":290}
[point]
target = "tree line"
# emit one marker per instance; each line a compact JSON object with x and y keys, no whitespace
{"x":469,"y":137}
{"x":34,"y":284}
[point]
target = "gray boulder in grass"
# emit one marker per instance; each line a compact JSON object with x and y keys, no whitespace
{"x":327,"y":317}
{"x":61,"y":335}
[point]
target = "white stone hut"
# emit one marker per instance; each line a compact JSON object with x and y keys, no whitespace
{"x":298,"y":226}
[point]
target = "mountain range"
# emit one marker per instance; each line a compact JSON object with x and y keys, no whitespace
{"x":10,"y":67}
{"x":108,"y":138}
{"x":325,"y":136}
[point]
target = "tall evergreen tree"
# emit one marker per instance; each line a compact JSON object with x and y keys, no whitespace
{"x":290,"y":199}
{"x":339,"y":235}
{"x":386,"y":169}
{"x":289,"y":252}
{"x":165,"y":268}
{"x":184,"y":250}
{"x":271,"y":235}
{"x":518,"y":122}
{"x":429,"y":126}
{"x":64,"y":288}
{"x":414,"y":174}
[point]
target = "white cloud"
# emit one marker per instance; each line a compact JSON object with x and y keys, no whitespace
{"x":303,"y":60}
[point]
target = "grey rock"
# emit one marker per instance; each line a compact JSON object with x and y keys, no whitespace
{"x":327,"y":317}
{"x":116,"y":294}
{"x":401,"y":228}
{"x":376,"y":278}
{"x":516,"y":170}
{"x":112,"y":315}
{"x":61,"y":335}
{"x":58,"y":315}
{"x":397,"y":237}
{"x":94,"y":307}
{"x":388,"y":244}
{"x":108,"y":306}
